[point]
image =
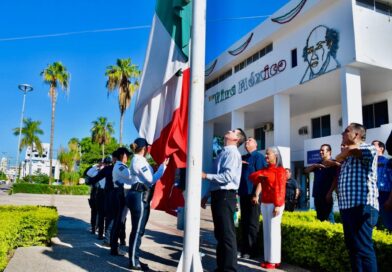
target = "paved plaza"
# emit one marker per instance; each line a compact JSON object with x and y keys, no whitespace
{"x":75,"y":249}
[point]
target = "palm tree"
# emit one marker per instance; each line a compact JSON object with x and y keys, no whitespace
{"x":54,"y":75}
{"x":68,"y":159}
{"x":101,"y":132}
{"x":124,"y":77}
{"x":30,"y":132}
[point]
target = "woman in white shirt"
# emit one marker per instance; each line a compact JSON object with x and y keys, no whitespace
{"x":142,"y":178}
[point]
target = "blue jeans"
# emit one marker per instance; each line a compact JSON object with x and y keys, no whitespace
{"x":139,"y":215}
{"x":358,"y":224}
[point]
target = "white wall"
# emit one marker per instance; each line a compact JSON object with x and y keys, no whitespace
{"x":297,"y":141}
{"x":376,"y":27}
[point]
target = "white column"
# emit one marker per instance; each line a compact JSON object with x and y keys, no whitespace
{"x":351,"y":95}
{"x":282,"y":120}
{"x":282,"y":129}
{"x":238,"y":121}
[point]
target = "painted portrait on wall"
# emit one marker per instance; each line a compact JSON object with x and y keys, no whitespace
{"x":320,"y":52}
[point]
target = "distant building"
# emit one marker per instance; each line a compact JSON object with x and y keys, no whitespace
{"x":40,"y":163}
{"x":3,"y":164}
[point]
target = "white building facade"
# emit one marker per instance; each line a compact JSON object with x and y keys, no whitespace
{"x":299,"y":78}
{"x":39,"y":163}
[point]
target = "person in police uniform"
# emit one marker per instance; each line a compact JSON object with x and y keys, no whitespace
{"x":142,"y":178}
{"x":120,"y":173}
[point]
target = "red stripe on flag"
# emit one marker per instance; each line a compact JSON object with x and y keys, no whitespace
{"x":172,"y":143}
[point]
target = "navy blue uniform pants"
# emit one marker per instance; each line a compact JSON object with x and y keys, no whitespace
{"x":140,"y":211}
{"x":118,"y":203}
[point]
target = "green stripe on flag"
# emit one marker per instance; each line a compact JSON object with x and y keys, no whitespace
{"x":176,"y":16}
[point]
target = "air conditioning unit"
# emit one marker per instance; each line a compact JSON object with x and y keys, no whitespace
{"x":303,"y":130}
{"x":268,"y":127}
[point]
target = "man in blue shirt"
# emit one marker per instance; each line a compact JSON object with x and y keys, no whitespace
{"x":384,"y":184}
{"x":358,"y":197}
{"x":223,"y":188}
{"x":249,"y":199}
{"x":325,"y":175}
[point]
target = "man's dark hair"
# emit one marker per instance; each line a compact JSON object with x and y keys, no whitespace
{"x":380,"y":144}
{"x":359,"y":129}
{"x":327,"y":145}
{"x":242,"y":137}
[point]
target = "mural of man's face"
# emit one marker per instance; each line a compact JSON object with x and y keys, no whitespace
{"x":317,"y":49}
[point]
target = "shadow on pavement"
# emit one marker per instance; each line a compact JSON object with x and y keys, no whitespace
{"x":76,"y":245}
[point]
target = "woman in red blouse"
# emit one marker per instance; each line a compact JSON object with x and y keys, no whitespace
{"x":273,"y":184}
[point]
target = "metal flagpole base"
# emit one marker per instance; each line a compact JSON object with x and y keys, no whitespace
{"x":195,"y":264}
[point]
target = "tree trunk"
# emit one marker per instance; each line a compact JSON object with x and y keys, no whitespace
{"x":121,"y":127}
{"x":53,"y":97}
{"x":31,"y":163}
{"x":103,"y":151}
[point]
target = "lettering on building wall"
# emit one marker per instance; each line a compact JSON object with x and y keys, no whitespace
{"x":222,"y":95}
{"x":320,"y":52}
{"x":248,"y":82}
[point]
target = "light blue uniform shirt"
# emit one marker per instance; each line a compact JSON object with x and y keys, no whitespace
{"x":228,"y":175}
{"x":141,"y":171}
{"x":121,"y":174}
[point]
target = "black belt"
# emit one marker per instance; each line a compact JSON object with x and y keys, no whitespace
{"x":139,"y":187}
{"x":223,"y":192}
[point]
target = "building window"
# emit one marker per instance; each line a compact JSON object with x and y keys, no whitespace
{"x":378,"y":6}
{"x":222,"y":77}
{"x":294,"y":62}
{"x":260,"y":138}
{"x":264,"y":51}
{"x":321,"y":126}
{"x":375,"y":115}
{"x":366,"y":3}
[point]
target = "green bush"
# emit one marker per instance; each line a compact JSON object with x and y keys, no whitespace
{"x":3,"y":176}
{"x":39,"y":179}
{"x":49,"y":189}
{"x":70,"y":178}
{"x":320,"y":246}
{"x":25,"y":226}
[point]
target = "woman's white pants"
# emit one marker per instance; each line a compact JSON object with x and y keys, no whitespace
{"x":271,"y":233}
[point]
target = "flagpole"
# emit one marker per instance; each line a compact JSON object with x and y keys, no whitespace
{"x":191,"y":256}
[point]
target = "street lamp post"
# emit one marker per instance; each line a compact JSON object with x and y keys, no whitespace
{"x":25,"y":88}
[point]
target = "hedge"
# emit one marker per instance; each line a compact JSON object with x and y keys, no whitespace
{"x":23,"y":226}
{"x":49,"y":189}
{"x":320,"y":246}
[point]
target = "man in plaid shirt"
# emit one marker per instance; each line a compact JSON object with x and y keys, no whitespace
{"x":358,"y":197}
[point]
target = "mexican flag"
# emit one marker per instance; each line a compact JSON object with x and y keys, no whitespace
{"x":161,"y":111}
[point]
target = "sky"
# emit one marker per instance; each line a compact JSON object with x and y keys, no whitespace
{"x":87,"y":36}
